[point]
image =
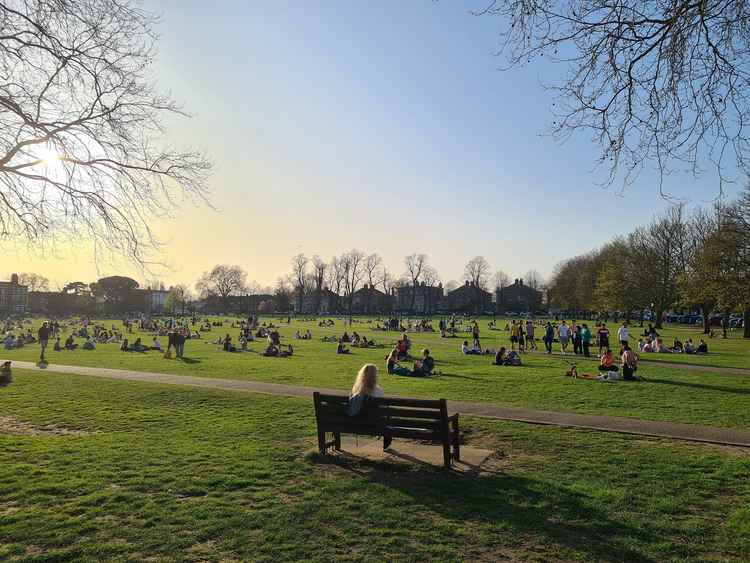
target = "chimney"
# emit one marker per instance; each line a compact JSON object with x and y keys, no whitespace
{"x":520,"y":281}
{"x":14,"y":279}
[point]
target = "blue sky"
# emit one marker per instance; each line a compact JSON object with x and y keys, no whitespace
{"x":385,"y":126}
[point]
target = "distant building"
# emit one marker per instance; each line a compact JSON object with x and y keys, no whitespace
{"x":320,"y":302}
{"x":469,"y":298}
{"x":56,"y":303}
{"x":13,"y":297}
{"x":369,"y":300}
{"x":518,"y":298}
{"x":420,"y":299}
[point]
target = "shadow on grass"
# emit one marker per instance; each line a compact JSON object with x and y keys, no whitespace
{"x":190,"y":360}
{"x":704,"y":386}
{"x":536,"y":508}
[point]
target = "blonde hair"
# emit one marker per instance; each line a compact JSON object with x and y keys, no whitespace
{"x":367,"y":380}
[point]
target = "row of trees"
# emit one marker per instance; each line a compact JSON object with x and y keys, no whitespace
{"x":698,"y":261}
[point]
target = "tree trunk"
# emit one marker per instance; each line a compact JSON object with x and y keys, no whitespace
{"x":746,"y":323}
{"x":724,"y":324}
{"x":706,"y":312}
{"x":657,"y":320}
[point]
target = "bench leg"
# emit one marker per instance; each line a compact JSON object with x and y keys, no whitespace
{"x":387,"y":441}
{"x":337,"y":441}
{"x":322,"y":442}
{"x":456,"y":445}
{"x":447,"y":455}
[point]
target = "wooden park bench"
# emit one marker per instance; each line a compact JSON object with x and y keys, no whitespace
{"x":417,"y":419}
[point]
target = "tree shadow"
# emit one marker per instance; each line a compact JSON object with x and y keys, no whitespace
{"x":190,"y":360}
{"x":536,"y":508}
{"x":698,"y":386}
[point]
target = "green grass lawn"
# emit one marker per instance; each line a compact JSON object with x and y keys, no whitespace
{"x":111,"y":470}
{"x":670,"y":392}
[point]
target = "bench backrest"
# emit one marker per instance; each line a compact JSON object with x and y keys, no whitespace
{"x":404,"y":418}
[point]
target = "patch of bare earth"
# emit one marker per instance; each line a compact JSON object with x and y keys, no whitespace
{"x":14,"y":426}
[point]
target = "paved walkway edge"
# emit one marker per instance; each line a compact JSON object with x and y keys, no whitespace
{"x":671,"y":430}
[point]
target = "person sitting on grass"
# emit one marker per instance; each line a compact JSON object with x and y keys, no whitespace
{"x":511,"y":358}
{"x":364,"y":389}
{"x":156,"y":344}
{"x":424,"y":366}
{"x":702,"y":347}
{"x":138,"y":346}
{"x":355,"y":338}
{"x":271,"y":351}
{"x":689,"y":346}
{"x":469,"y":351}
{"x":677,"y":347}
{"x":607,"y":361}
{"x":392,"y":365}
{"x":629,"y":363}
{"x":243,"y":343}
{"x":499,"y":357}
{"x":124,"y":347}
{"x":89,"y":344}
{"x":70,"y":343}
{"x":227,"y":344}
{"x":57,"y":347}
{"x":660,"y":348}
{"x":345,"y":337}
{"x":9,"y":342}
{"x":286,"y":353}
{"x":341,"y":348}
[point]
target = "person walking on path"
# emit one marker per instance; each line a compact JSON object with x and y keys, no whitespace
{"x":43,"y":335}
{"x":585,"y":339}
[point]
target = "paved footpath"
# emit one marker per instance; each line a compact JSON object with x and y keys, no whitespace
{"x":672,"y":430}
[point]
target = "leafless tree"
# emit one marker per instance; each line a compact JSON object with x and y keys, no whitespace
{"x":415,"y":264}
{"x":533,"y":279}
{"x":222,"y":281}
{"x":319,"y":269}
{"x":477,"y":271}
{"x":336,"y":275}
{"x":386,"y":280}
{"x":82,"y":152}
{"x":372,"y":267}
{"x":353,"y":263}
{"x":663,"y":82}
{"x":500,"y":279}
{"x":34,"y":282}
{"x":299,"y":278}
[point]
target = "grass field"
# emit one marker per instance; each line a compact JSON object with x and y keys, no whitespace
{"x":106,"y":470}
{"x":670,"y":392}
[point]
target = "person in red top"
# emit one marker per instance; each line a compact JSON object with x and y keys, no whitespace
{"x":607,"y":361}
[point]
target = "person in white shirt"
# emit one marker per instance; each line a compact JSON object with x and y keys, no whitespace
{"x":563,"y":331}
{"x":623,"y":333}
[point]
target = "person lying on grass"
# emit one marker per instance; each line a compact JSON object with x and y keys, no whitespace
{"x":365,"y":388}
